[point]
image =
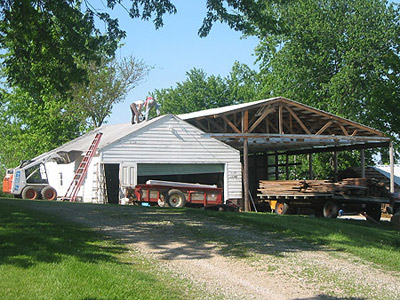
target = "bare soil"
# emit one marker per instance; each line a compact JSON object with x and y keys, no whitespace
{"x":232,"y":262}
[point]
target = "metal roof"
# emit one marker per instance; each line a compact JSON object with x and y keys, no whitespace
{"x":111,"y":134}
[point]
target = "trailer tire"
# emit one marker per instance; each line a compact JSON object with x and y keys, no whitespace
{"x":373,"y":210}
{"x":29,"y":193}
{"x":49,"y":193}
{"x":330,"y":210}
{"x":281,"y":208}
{"x":176,"y":198}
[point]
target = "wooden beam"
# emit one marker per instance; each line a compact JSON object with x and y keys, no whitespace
{"x":335,"y":167}
{"x":319,"y":132}
{"x":245,"y":121}
{"x":391,"y":159}
{"x":202,"y":127}
{"x":271,"y":125}
{"x":280,"y":119}
{"x":343,"y":129}
{"x":331,"y":116}
{"x":354,"y":132}
{"x":215,"y":124}
{"x":246,"y":175}
{"x":231,"y":124}
{"x":362,"y":157}
{"x":261,"y":118}
{"x":297,"y":119}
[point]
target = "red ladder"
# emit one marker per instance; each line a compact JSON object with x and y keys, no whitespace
{"x":80,"y":173}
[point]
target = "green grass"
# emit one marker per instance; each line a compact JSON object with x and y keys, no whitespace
{"x":379,"y":244}
{"x":42,"y":257}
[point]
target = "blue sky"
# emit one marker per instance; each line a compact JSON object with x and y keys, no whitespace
{"x":176,"y":48}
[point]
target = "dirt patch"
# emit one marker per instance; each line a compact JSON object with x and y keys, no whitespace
{"x":232,"y":262}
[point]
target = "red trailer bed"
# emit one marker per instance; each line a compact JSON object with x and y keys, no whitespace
{"x":176,"y":194}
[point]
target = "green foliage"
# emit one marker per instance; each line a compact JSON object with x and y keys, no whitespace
{"x":200,"y":91}
{"x":30,"y":127}
{"x":108,"y":83}
{"x":339,"y":56}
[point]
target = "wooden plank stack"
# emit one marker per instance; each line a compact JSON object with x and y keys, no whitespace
{"x":348,"y":186}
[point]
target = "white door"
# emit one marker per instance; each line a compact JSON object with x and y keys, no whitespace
{"x":127,"y":176}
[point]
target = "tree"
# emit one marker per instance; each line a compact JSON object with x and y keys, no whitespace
{"x":340,"y":56}
{"x":108,"y":83}
{"x":29,"y":127}
{"x":44,"y":40}
{"x":200,"y":91}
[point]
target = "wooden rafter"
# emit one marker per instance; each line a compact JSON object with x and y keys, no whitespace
{"x":343,"y":129}
{"x":235,"y":129}
{"x":261,"y":118}
{"x":319,"y":132}
{"x":297,"y":119}
{"x":198,"y":123}
{"x":280,"y":119}
{"x":215,"y":124}
{"x":331,"y":116}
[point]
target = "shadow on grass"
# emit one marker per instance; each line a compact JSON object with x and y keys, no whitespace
{"x":29,"y":237}
{"x":197,"y":234}
{"x":326,"y":297}
{"x":171,"y":233}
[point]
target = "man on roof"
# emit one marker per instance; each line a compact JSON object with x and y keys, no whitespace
{"x":149,"y":104}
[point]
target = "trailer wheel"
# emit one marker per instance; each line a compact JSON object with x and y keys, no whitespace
{"x":281,"y":208}
{"x":49,"y":193}
{"x":373,"y":210}
{"x":176,"y":199}
{"x":30,"y":193}
{"x":330,"y":210}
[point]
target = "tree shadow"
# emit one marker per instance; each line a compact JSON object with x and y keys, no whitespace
{"x":27,"y":239}
{"x":326,"y":297}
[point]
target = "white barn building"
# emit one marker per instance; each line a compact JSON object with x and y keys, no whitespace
{"x":164,"y":148}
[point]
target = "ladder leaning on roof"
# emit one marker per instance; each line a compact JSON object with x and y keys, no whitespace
{"x":80,"y":173}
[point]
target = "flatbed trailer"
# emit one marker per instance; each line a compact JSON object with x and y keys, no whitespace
{"x":328,"y":205}
{"x":176,"y":194}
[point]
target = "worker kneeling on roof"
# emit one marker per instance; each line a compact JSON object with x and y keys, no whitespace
{"x":149,"y":104}
{"x":137,"y":106}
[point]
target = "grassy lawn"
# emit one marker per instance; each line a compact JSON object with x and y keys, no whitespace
{"x":379,"y":244}
{"x":44,"y":258}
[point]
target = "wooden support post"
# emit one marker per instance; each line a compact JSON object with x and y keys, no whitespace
{"x":310,"y":170}
{"x":246,"y":175}
{"x":335,"y":167}
{"x":245,"y":128}
{"x":287,"y":167}
{"x":391,"y":158}
{"x":362,"y":156}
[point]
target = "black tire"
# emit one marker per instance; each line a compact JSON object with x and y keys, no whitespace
{"x":330,"y":210}
{"x":30,"y":193}
{"x":176,"y":199}
{"x":49,"y":193}
{"x":281,"y":208}
{"x":374,"y":211}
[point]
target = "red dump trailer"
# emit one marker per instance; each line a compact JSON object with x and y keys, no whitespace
{"x":175,"y":194}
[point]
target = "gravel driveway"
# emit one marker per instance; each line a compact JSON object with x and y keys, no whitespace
{"x":229,"y":262}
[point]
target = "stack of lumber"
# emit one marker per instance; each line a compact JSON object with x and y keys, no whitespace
{"x":348,"y":186}
{"x":295,"y":187}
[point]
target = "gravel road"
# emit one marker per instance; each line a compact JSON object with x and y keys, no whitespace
{"x":231,"y":262}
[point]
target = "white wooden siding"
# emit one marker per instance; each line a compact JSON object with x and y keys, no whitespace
{"x":175,"y":141}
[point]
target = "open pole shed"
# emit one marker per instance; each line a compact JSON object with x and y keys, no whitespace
{"x":286,"y":127}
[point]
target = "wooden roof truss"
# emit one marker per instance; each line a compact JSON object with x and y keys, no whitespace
{"x":282,"y":124}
